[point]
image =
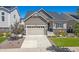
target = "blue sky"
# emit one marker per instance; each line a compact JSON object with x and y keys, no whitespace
{"x":23,"y":10}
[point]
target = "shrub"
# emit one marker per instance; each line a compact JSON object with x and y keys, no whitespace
{"x":53,"y":35}
{"x":8,"y":34}
{"x":63,"y":33}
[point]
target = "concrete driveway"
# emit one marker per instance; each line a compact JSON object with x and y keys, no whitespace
{"x":36,"y":41}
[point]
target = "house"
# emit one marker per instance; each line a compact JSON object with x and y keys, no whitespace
{"x":8,"y":17}
{"x":41,"y":21}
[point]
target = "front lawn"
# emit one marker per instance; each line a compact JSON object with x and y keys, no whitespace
{"x":66,"y":42}
{"x":2,"y":39}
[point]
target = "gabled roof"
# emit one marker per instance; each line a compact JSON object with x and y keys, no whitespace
{"x":8,"y":8}
{"x":46,"y":13}
{"x":34,"y":14}
{"x":37,"y":12}
{"x":41,"y":10}
{"x":54,"y":16}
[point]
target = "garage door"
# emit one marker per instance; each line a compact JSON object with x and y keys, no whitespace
{"x":35,"y":30}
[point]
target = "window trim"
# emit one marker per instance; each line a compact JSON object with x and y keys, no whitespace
{"x":3,"y":18}
{"x":59,"y":25}
{"x":2,"y":13}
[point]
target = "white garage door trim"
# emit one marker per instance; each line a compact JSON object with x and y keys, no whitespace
{"x":35,"y":26}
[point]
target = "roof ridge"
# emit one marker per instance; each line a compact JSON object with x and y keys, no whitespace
{"x":72,"y":17}
{"x":9,"y":8}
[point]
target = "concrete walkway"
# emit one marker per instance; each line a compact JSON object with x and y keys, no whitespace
{"x":36,"y":41}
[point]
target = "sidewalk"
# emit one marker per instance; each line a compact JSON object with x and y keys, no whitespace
{"x":25,"y":50}
{"x":74,"y":49}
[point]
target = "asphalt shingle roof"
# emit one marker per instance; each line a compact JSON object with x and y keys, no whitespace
{"x":66,"y":16}
{"x":9,"y":7}
{"x":62,"y":16}
{"x":58,"y":16}
{"x":75,"y":16}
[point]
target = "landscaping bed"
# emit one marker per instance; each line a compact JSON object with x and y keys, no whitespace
{"x":66,"y":42}
{"x":11,"y":44}
{"x":10,"y":40}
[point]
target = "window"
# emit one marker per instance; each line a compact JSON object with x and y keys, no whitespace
{"x":28,"y":26}
{"x":2,"y":13}
{"x":59,"y":25}
{"x":3,"y":16}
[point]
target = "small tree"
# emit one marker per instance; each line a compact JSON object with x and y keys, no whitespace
{"x":17,"y":29}
{"x":76,"y":28}
{"x":20,"y":29}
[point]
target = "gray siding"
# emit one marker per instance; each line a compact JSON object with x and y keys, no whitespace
{"x":70,"y":23}
{"x":35,"y":21}
{"x":64,"y":24}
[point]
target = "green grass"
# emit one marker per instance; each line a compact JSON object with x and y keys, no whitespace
{"x":2,"y":39}
{"x":66,"y":42}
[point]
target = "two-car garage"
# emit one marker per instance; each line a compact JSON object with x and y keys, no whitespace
{"x":36,"y":30}
{"x":36,"y":25}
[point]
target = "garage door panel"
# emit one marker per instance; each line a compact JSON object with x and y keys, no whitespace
{"x":35,"y":30}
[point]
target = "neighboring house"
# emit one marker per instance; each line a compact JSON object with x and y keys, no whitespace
{"x":8,"y":17}
{"x":39,"y":22}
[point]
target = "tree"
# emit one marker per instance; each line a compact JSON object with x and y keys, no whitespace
{"x":17,"y":28}
{"x":76,"y":28}
{"x":76,"y":24}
